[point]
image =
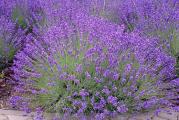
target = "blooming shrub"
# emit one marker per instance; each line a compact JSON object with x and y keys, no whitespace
{"x":74,"y":59}
{"x":90,"y":66}
{"x":17,"y":20}
{"x":10,"y":41}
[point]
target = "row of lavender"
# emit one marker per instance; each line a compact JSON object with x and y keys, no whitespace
{"x":86,"y":58}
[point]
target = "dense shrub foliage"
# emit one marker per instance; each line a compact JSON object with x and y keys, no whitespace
{"x":96,"y":58}
{"x":92,"y":67}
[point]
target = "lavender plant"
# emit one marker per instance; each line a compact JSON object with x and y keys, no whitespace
{"x":18,"y":18}
{"x":10,"y":41}
{"x":89,"y":66}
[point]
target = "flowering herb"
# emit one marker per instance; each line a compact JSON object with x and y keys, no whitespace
{"x":89,"y":66}
{"x":92,"y":57}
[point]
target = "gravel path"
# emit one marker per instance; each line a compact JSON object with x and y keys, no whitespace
{"x":18,"y":115}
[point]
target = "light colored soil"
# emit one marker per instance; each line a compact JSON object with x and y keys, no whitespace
{"x":18,"y":115}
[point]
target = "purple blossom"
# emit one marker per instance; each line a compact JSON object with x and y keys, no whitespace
{"x":106,"y":90}
{"x":88,"y":76}
{"x":116,"y":76}
{"x":122,"y":109}
{"x":112,"y":100}
{"x":128,"y":68}
{"x":83,"y":93}
{"x":106,"y":73}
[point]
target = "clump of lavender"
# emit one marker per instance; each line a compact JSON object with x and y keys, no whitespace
{"x":10,"y":41}
{"x":89,"y":66}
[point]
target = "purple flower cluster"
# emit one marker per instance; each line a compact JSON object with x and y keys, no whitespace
{"x":77,"y":63}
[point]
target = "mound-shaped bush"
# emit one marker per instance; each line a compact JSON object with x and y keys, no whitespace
{"x":89,"y":66}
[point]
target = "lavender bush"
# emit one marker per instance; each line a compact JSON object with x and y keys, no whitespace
{"x":89,"y":66}
{"x":95,"y":58}
{"x":19,"y":18}
{"x":10,"y":41}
